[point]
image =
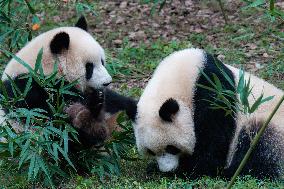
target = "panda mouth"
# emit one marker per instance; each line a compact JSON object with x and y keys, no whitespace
{"x":168,"y":162}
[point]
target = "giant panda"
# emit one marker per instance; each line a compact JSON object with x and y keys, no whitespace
{"x":176,"y":125}
{"x":80,"y":57}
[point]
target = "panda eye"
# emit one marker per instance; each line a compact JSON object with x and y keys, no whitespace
{"x":89,"y":70}
{"x":172,"y":150}
{"x":103,"y":62}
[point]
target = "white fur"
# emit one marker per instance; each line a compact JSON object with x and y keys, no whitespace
{"x":167,"y":162}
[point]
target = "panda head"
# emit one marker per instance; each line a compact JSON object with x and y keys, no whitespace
{"x":79,"y":56}
{"x":164,"y":131}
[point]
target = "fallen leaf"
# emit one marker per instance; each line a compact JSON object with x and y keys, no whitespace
{"x":265,"y":55}
{"x":35,"y":27}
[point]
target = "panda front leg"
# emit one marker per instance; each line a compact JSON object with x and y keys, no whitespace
{"x":115,"y":103}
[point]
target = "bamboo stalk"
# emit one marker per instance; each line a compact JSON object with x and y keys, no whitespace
{"x":32,"y":10}
{"x":271,"y":5}
{"x":223,"y":11}
{"x":254,"y":143}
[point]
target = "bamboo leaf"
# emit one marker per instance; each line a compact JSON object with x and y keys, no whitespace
{"x":65,"y":140}
{"x":254,"y":4}
{"x":267,"y":99}
{"x":38,"y":64}
{"x":31,"y":167}
{"x":256,"y":104}
{"x":44,"y":168}
{"x":66,"y":157}
{"x":28,"y":86}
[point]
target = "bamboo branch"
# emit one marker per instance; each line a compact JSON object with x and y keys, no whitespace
{"x":223,"y":11}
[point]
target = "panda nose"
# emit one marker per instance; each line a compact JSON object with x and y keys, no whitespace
{"x":106,"y":84}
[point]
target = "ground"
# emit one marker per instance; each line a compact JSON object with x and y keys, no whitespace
{"x":137,"y":36}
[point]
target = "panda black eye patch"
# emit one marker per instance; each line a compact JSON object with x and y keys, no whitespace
{"x":89,"y":70}
{"x":172,"y":150}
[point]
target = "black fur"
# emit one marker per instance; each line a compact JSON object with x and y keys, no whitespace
{"x":115,"y":102}
{"x":214,"y":131}
{"x":172,"y":149}
{"x":168,"y":109}
{"x":265,"y":158}
{"x":89,"y":70}
{"x":36,"y":97}
{"x":59,"y":43}
{"x":82,"y":23}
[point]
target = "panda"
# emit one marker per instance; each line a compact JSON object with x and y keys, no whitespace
{"x":175,"y":124}
{"x":79,"y":57}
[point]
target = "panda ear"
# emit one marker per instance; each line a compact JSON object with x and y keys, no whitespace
{"x":168,"y":109}
{"x":59,"y":42}
{"x":82,"y":23}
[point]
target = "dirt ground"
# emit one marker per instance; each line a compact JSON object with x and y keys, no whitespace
{"x":180,"y":20}
{"x":176,"y":20}
{"x":248,"y":39}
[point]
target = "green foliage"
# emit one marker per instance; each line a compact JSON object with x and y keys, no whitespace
{"x":275,"y":71}
{"x":138,"y":62}
{"x":156,"y":4}
{"x":40,"y":147}
{"x":20,"y":20}
{"x":159,"y":182}
{"x":84,"y":6}
{"x":16,"y":20}
{"x":236,"y":101}
{"x":269,"y":7}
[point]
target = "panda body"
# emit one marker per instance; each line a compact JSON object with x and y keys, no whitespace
{"x":80,"y":57}
{"x":176,"y":124}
